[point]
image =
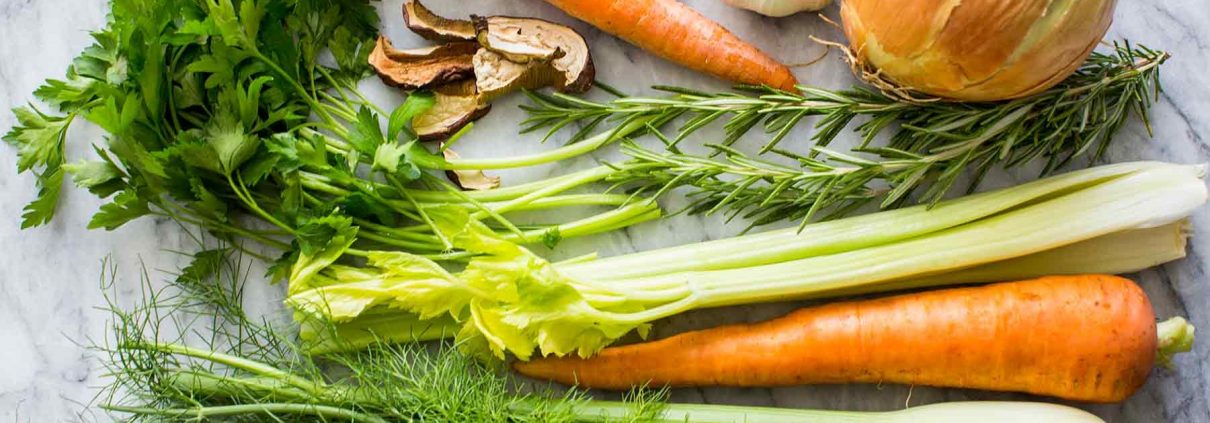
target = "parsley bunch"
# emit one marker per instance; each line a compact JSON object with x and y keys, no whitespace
{"x":217,"y":109}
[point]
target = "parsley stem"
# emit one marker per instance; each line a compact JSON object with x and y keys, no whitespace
{"x":316,"y":106}
{"x":346,"y":115}
{"x":326,"y":183}
{"x":397,"y":242}
{"x":625,"y":216}
{"x":484,"y":211}
{"x":353,"y":89}
{"x":369,"y":226}
{"x":598,"y":174}
{"x":445,"y":241}
{"x":241,"y":191}
{"x":343,"y":87}
{"x":336,"y":86}
{"x":184,"y":215}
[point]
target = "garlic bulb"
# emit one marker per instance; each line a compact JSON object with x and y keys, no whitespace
{"x":976,"y":50}
{"x":779,"y":8}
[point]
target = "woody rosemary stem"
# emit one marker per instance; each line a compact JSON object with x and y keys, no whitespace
{"x":932,"y":144}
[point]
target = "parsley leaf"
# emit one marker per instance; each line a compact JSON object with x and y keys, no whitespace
{"x":401,"y":119}
{"x":125,"y":207}
{"x":71,"y":92}
{"x":366,"y":135}
{"x":231,"y":145}
{"x":99,"y":177}
{"x":204,"y":265}
{"x":221,"y":64}
{"x":38,"y":137}
{"x":42,"y":210}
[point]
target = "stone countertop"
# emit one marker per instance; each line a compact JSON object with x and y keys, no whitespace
{"x":49,"y":284}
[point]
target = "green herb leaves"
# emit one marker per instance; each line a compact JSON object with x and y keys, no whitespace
{"x":220,"y":147}
{"x":39,"y":139}
{"x":321,"y":242}
{"x":401,"y":119}
{"x":125,"y":207}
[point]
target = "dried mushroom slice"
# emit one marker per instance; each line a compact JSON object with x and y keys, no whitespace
{"x":456,"y":106}
{"x":492,"y":37}
{"x":451,"y":49}
{"x":422,"y":68}
{"x":429,"y":25}
{"x":525,"y":40}
{"x":470,"y":180}
{"x":495,"y":75}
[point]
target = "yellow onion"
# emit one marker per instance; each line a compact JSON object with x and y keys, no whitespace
{"x":976,"y":50}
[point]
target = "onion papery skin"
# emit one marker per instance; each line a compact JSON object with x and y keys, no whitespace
{"x":976,"y":50}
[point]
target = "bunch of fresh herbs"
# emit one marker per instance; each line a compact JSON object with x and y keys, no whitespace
{"x":219,"y":109}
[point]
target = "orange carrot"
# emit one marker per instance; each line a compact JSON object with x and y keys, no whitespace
{"x":678,"y":33}
{"x":1086,"y":338}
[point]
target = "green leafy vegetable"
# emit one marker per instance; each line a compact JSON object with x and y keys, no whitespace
{"x":39,"y":140}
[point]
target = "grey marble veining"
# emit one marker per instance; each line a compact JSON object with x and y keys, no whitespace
{"x":49,"y":285}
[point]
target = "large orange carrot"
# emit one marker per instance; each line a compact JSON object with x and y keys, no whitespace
{"x":678,"y":33}
{"x":1086,"y":338}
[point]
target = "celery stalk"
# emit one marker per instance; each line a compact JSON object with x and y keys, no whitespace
{"x":1113,"y":254}
{"x":843,"y":235}
{"x":1140,"y":200}
{"x":375,"y":326}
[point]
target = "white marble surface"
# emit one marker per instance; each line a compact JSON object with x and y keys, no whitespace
{"x":49,"y":276}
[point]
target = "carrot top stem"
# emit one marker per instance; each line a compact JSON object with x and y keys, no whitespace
{"x":1175,"y":337}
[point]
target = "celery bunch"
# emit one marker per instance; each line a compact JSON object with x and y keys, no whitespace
{"x":509,"y":300}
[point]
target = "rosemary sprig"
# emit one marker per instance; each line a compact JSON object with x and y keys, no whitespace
{"x":932,"y":144}
{"x":761,"y":191}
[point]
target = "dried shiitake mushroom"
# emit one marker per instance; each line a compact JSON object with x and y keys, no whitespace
{"x":425,"y":67}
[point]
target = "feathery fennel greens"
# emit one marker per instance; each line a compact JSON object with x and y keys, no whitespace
{"x":931,"y":143}
{"x":188,"y":352}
